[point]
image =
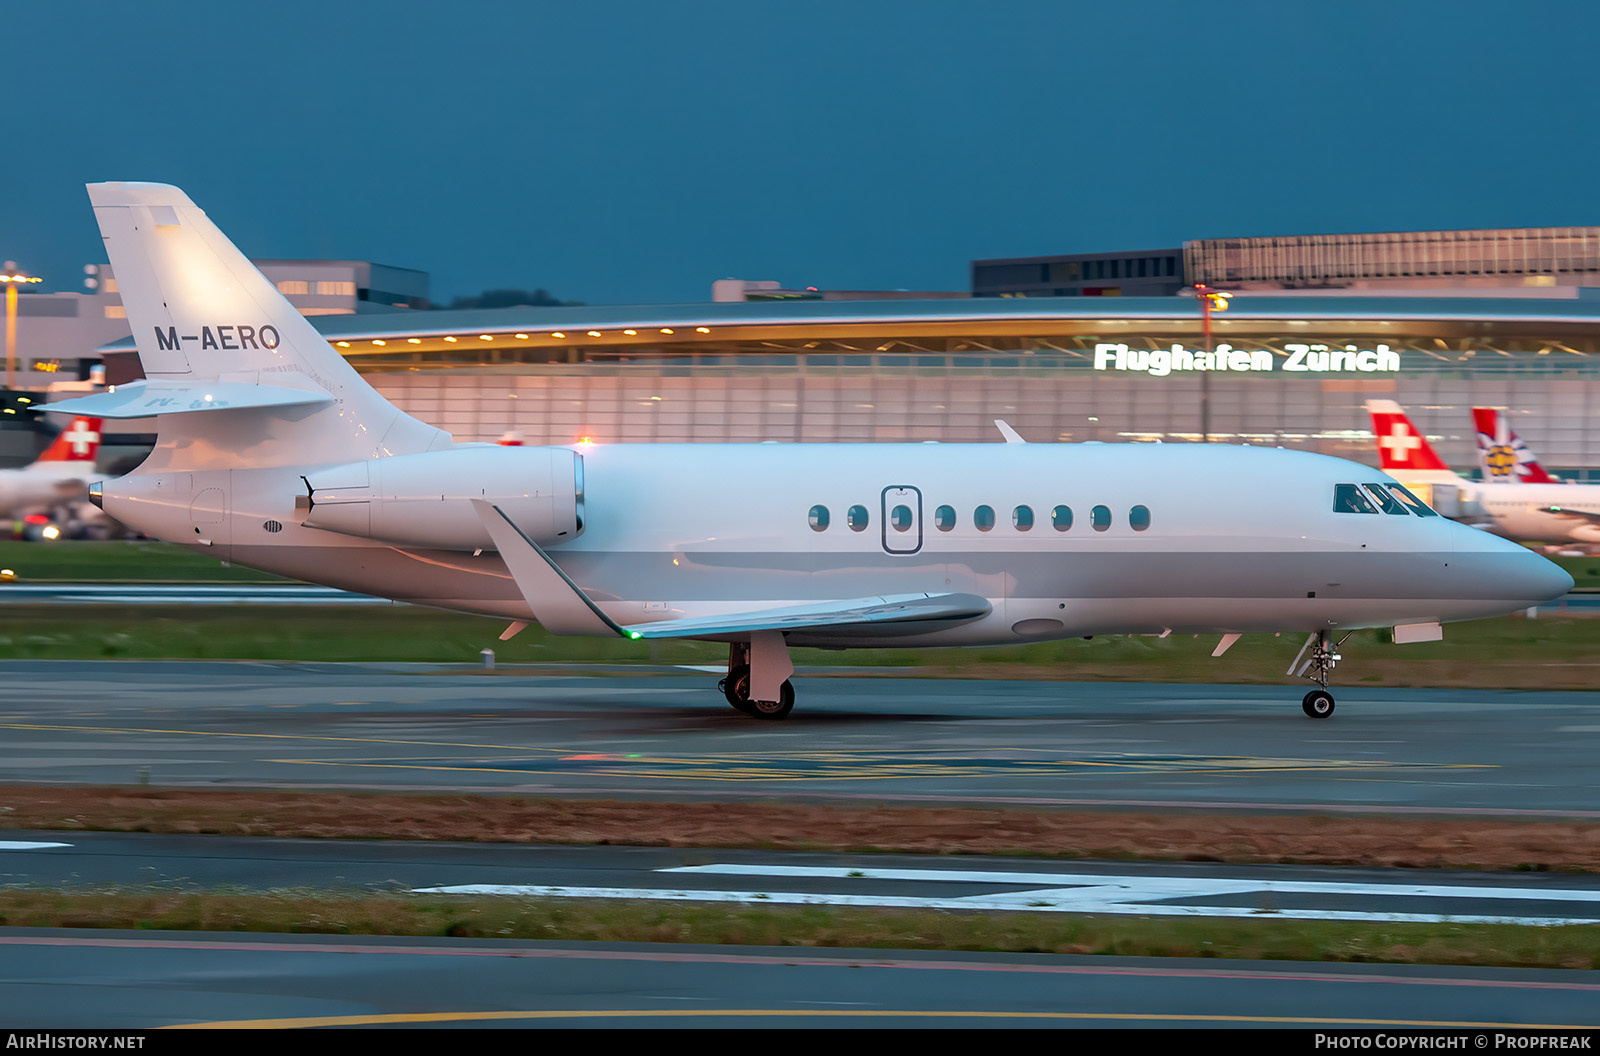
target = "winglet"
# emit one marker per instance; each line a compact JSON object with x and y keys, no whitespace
{"x":1011,"y":435}
{"x":559,"y":605}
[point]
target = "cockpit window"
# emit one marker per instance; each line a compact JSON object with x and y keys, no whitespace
{"x":1347,"y":498}
{"x":1418,"y":507}
{"x":1386,"y":502}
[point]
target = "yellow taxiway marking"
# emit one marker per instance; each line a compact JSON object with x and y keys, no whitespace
{"x":279,"y":737}
{"x":865,"y":764}
{"x":863,"y":772}
{"x":681,"y":1013}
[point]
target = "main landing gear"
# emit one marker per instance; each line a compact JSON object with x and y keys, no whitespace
{"x":758,"y":677}
{"x":1318,"y":704}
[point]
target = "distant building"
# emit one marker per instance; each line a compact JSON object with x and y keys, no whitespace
{"x":59,"y":334}
{"x":1406,"y":262}
{"x":1509,"y":261}
{"x":1141,"y":273}
{"x":730,"y":291}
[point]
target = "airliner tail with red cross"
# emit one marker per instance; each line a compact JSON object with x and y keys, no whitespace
{"x":1403,"y":452}
{"x":78,"y":442}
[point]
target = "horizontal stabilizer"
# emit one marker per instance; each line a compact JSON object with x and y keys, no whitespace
{"x":146,"y":399}
{"x":882,"y":613}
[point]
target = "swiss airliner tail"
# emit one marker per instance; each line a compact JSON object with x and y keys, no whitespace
{"x":1402,"y":449}
{"x":1503,"y":457}
{"x":78,"y":442}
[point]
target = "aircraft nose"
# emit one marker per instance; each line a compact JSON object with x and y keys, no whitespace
{"x":1503,"y":570}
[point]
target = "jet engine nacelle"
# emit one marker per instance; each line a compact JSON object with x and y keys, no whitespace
{"x":423,"y":500}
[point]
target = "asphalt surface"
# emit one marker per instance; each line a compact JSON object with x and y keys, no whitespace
{"x":138,"y":980}
{"x":652,"y":733}
{"x":649,"y":734}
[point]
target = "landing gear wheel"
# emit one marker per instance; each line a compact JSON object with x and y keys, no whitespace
{"x":775,"y":709}
{"x":737,"y":690}
{"x":737,"y":683}
{"x":1318,"y":704}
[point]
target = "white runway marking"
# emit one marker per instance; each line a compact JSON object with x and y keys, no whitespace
{"x":1084,"y":893}
{"x":17,"y":845}
{"x":1152,"y":886}
{"x":1044,"y":901}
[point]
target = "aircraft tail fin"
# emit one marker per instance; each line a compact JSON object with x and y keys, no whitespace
{"x":78,"y":442}
{"x":1503,"y":458}
{"x":1402,"y":449}
{"x":201,"y":312}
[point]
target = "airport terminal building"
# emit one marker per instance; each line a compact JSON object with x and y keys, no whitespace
{"x":1440,"y":321}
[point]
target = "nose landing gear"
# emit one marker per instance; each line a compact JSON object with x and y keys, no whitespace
{"x":1318,"y":704}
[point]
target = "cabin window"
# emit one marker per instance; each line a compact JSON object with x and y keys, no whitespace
{"x":1022,"y":518}
{"x":900,"y":518}
{"x":856,"y":518}
{"x":1386,"y":502}
{"x":1347,"y":498}
{"x":1139,"y":518}
{"x":1418,"y":507}
{"x":1100,"y":518}
{"x":983,"y":518}
{"x":1061,"y":518}
{"x":818,"y":518}
{"x":944,"y":518}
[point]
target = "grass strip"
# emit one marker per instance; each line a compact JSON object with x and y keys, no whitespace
{"x":1556,"y":652}
{"x":1421,"y":843}
{"x":310,"y":912}
{"x":144,"y":561}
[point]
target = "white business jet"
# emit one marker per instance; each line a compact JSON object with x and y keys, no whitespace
{"x":1530,"y":512}
{"x":273,"y":452}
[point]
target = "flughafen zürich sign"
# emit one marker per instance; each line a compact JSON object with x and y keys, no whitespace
{"x":1312,"y":359}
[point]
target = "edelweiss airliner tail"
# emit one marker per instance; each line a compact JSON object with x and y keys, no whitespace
{"x":1502,"y":456}
{"x":275,"y":454}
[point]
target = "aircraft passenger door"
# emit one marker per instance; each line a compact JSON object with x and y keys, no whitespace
{"x":902,"y":519}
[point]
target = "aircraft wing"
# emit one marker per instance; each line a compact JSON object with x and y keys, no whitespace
{"x":562,"y":607}
{"x":882,"y":613}
{"x":1567,"y":511}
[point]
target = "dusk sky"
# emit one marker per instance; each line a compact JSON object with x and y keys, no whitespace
{"x":633,"y":152}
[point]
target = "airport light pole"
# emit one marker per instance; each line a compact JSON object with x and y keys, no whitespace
{"x":13,"y":278}
{"x":1210,"y":301}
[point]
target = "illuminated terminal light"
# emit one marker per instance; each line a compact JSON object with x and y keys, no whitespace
{"x":558,"y":334}
{"x":451,"y":340}
{"x":344,"y":344}
{"x":377,"y":341}
{"x":666,"y":329}
{"x":702,"y":329}
{"x":594,"y":333}
{"x":630,"y":333}
{"x":585,"y":441}
{"x":522,"y":337}
{"x":485,"y":337}
{"x":413,"y":340}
